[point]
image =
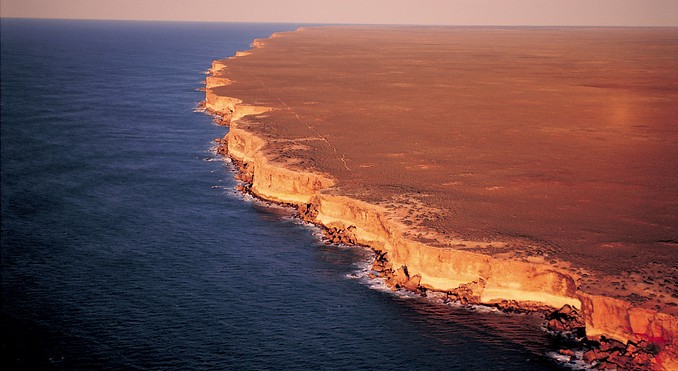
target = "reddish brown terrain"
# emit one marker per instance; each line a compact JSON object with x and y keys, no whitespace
{"x":535,"y":165}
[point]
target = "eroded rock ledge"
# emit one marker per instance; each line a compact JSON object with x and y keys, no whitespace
{"x":631,"y":337}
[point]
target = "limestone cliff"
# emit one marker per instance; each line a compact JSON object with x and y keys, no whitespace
{"x":418,"y":265}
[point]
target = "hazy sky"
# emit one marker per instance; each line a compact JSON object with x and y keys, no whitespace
{"x":447,"y":12}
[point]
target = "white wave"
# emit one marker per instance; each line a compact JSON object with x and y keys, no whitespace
{"x":575,"y":362}
{"x":314,"y":230}
{"x":213,"y":159}
{"x":362,"y":274}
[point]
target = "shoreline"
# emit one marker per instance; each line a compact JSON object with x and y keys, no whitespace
{"x":405,"y":262}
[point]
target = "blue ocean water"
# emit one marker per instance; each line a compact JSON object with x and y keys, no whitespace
{"x":124,"y":245}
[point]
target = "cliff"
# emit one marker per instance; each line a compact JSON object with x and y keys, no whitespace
{"x":413,"y":263}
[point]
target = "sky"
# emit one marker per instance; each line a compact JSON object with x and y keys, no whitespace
{"x":425,"y":12}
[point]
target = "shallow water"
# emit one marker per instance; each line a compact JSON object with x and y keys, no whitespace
{"x":125,"y":246}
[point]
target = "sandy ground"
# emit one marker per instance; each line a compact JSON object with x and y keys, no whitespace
{"x":549,"y":144}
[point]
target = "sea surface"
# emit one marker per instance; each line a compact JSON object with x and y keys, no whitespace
{"x":125,"y":246}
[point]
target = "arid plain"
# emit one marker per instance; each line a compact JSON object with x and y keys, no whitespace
{"x":553,"y":148}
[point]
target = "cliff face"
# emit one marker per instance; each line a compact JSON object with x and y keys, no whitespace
{"x":271,"y":181}
{"x":445,"y":269}
{"x":485,"y":279}
{"x":619,"y":320}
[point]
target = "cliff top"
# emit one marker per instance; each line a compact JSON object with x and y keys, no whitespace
{"x":545,"y":145}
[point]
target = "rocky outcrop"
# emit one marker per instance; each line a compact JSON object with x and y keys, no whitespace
{"x":609,"y":318}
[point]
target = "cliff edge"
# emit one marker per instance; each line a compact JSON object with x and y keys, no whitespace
{"x":337,"y":122}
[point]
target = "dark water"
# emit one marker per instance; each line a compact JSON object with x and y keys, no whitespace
{"x":124,"y":246}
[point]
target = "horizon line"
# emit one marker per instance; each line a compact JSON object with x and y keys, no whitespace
{"x":342,"y":23}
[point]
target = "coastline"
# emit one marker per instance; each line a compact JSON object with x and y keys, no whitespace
{"x":407,"y":262}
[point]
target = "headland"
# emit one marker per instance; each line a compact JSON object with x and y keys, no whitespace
{"x":526,"y":168}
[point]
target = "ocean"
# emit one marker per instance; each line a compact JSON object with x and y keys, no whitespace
{"x":125,"y":245}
